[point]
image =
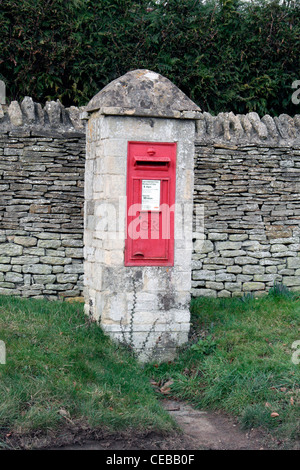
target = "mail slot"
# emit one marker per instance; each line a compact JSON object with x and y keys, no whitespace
{"x":151,"y":175}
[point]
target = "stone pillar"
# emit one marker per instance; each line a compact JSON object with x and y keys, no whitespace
{"x":146,"y":305}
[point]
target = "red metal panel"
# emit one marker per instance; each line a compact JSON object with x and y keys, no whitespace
{"x":151,"y":177}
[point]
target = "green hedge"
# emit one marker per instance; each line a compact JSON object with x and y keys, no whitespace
{"x":227,"y":55}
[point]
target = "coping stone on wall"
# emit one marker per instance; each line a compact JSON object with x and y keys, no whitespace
{"x":30,"y":118}
{"x":231,"y":129}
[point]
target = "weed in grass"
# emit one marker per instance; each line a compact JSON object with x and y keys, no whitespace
{"x":205,"y":346}
{"x":247,"y":298}
{"x":280,"y":291}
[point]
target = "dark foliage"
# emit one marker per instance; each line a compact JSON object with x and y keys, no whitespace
{"x":227,"y":55}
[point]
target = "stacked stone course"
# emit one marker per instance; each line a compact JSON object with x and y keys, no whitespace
{"x":247,"y":176}
{"x":42,"y":158}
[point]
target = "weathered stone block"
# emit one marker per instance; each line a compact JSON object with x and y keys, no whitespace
{"x":64,"y":278}
{"x":25,"y":241}
{"x":57,"y":253}
{"x":57,"y":269}
{"x":214,"y":285}
{"x":242,"y":260}
{"x":7,"y":284}
{"x":253,"y":286}
{"x":74,"y":252}
{"x":25,"y":260}
{"x":37,"y":269}
{"x":291,"y":280}
{"x":238,"y":237}
{"x":43,"y":278}
{"x":204,"y":293}
{"x":74,"y":268}
{"x":52,"y":243}
{"x":217,"y":236}
{"x":48,"y":236}
{"x":229,"y":277}
{"x":205,"y":246}
{"x":224,"y":293}
{"x":234,"y":269}
{"x":218,"y":261}
{"x":5,"y":291}
{"x":55,"y":260}
{"x":5,"y":268}
{"x":233,"y":286}
{"x":59,"y":287}
{"x":13,"y":277}
{"x":293,"y":262}
{"x":72,"y":243}
{"x":278,"y":247}
{"x":10,"y":249}
{"x":244,"y":278}
{"x":204,"y":275}
{"x":253,"y":269}
{"x":271,"y":270}
{"x":230,"y":245}
{"x":232,"y":253}
{"x":267,"y":277}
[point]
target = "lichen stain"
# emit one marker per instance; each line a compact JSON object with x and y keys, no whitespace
{"x":166,"y":301}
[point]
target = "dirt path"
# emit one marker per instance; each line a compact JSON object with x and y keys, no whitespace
{"x":212,"y":430}
{"x":202,"y":430}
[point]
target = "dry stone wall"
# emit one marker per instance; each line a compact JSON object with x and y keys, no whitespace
{"x":247,"y":176}
{"x":42,"y":157}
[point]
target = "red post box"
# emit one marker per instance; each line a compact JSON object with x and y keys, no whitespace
{"x":151,"y":175}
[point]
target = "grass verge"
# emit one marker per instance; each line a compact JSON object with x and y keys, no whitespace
{"x":61,"y":369}
{"x":239,"y":360}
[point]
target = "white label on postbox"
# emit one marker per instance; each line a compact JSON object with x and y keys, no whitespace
{"x":150,"y":195}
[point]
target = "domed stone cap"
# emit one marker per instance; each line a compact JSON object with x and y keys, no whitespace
{"x":143,"y":93}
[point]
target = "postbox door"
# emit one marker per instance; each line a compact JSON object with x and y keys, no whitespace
{"x":151,"y":176}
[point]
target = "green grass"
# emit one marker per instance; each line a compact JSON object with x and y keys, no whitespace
{"x":62,"y":370}
{"x":239,"y":361}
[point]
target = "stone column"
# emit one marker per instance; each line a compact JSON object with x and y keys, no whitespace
{"x":146,"y":305}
